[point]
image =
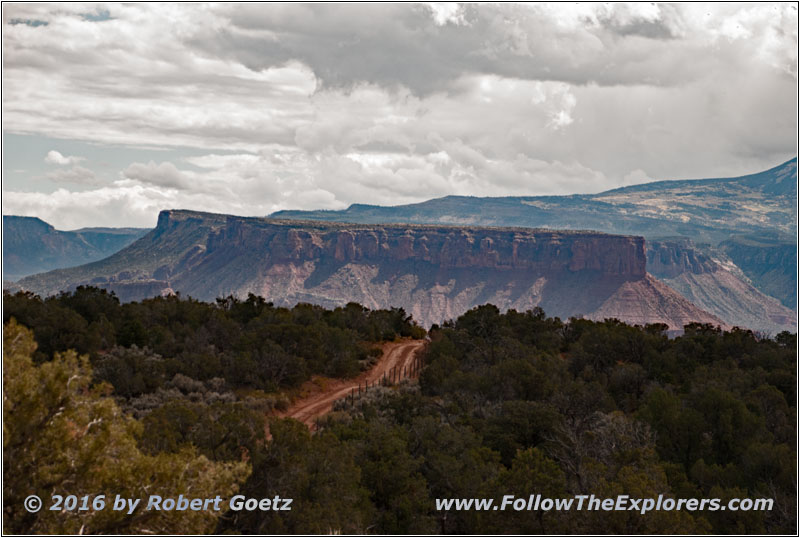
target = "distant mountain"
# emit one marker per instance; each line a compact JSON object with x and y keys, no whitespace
{"x":751,"y":219}
{"x":31,"y":245}
{"x":434,"y":272}
{"x":706,"y":210}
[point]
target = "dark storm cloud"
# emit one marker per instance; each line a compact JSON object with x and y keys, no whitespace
{"x":403,"y":45}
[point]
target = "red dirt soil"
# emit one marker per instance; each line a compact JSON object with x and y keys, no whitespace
{"x":396,"y":355}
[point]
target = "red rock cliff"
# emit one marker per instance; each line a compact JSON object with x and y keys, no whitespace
{"x":445,"y":247}
{"x":433,"y":272}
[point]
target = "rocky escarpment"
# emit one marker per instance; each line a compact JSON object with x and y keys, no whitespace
{"x":668,"y":259}
{"x":711,"y":281}
{"x":433,"y":272}
{"x":443,"y":247}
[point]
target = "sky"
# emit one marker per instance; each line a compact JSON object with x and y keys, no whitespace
{"x":113,"y":112}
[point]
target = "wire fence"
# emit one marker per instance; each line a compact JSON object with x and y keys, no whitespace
{"x":392,"y":377}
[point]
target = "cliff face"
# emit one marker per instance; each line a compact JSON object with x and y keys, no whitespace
{"x":667,"y":259}
{"x":433,"y":272}
{"x":501,"y":249}
{"x":711,"y":281}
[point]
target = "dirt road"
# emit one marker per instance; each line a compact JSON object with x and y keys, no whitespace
{"x":396,"y":357}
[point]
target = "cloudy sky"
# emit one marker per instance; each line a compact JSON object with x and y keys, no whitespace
{"x":113,"y":112}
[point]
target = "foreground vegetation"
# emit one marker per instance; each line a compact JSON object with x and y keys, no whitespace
{"x":173,"y":394}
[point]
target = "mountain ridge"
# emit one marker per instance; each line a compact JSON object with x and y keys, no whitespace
{"x":740,"y":206}
{"x":31,"y":245}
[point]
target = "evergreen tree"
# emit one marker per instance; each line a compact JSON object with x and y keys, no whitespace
{"x":63,"y":437}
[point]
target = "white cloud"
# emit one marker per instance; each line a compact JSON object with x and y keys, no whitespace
{"x":165,"y":174}
{"x":76,"y":175}
{"x":636,"y":177}
{"x":447,"y":13}
{"x":109,"y":206}
{"x":54,"y":157}
{"x":562,"y":116}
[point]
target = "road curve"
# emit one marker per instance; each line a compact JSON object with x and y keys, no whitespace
{"x":396,"y":355}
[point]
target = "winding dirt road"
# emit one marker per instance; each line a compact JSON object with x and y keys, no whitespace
{"x":396,"y":356}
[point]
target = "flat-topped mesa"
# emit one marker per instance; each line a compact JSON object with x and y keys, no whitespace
{"x":542,"y":251}
{"x":434,"y":272}
{"x":170,"y":219}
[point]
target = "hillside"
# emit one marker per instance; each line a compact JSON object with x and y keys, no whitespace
{"x":31,"y":245}
{"x":769,"y":262}
{"x":714,"y":283}
{"x":434,"y":272}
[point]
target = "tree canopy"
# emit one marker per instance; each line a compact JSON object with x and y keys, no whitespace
{"x":507,"y":404}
